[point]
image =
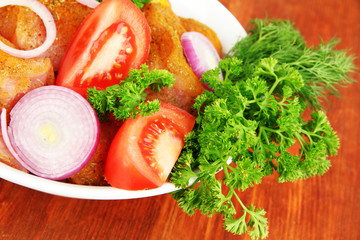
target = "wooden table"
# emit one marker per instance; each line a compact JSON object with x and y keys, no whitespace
{"x":326,"y":207}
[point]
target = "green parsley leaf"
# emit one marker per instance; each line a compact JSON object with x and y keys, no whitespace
{"x":139,"y":3}
{"x":128,"y":99}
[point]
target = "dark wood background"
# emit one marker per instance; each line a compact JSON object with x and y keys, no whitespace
{"x":326,"y":207}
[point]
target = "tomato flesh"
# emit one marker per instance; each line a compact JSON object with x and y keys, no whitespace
{"x":113,"y":39}
{"x":109,"y":58}
{"x":161,"y":143}
{"x":145,"y":149}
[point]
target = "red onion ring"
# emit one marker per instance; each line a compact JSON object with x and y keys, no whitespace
{"x":200,"y":53}
{"x":49,"y":24}
{"x":89,"y":3}
{"x":53,"y":131}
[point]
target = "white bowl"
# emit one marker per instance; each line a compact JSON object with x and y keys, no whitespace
{"x":229,"y":31}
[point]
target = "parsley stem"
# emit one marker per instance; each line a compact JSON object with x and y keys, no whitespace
{"x":273,"y":165}
{"x":277,"y":81}
{"x":239,"y":200}
{"x":269,"y":129}
{"x":262,"y":134}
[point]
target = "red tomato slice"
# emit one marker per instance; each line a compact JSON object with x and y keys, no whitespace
{"x":145,"y":149}
{"x":114,"y":38}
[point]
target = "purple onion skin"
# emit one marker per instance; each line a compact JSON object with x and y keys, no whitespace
{"x":200,"y":54}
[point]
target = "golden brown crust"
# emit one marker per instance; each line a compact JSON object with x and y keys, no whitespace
{"x":18,"y":76}
{"x":68,"y":16}
{"x":194,"y":25}
{"x":166,"y":52}
{"x":26,"y":30}
{"x":30,"y":31}
{"x":8,"y":19}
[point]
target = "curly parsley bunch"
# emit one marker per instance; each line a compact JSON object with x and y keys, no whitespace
{"x":253,"y":123}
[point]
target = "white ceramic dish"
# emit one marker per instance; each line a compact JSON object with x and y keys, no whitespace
{"x":228,"y":29}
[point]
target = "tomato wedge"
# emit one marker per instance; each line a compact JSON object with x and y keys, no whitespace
{"x":114,"y":38}
{"x":145,"y":149}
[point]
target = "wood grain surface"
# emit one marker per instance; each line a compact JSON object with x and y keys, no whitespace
{"x":326,"y":207}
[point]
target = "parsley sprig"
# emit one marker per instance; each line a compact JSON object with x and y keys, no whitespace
{"x":253,"y":123}
{"x":139,"y":3}
{"x":128,"y":99}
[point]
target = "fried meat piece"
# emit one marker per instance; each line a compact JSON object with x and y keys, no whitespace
{"x":8,"y":19}
{"x":17,"y":77}
{"x":25,"y":29}
{"x":166,"y":52}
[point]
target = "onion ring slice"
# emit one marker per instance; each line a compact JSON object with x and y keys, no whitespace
{"x":53,"y":132}
{"x":89,"y":3}
{"x":49,"y":24}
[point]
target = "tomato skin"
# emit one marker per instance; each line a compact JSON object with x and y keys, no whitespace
{"x":86,"y":65}
{"x":127,"y":167}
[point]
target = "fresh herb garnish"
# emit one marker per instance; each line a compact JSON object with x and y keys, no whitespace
{"x":323,"y":68}
{"x":128,"y":99}
{"x":253,"y":122}
{"x":138,"y":3}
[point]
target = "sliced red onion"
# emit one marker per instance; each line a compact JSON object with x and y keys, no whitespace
{"x":53,"y":131}
{"x":89,"y":3}
{"x":49,"y":24}
{"x":200,"y":53}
